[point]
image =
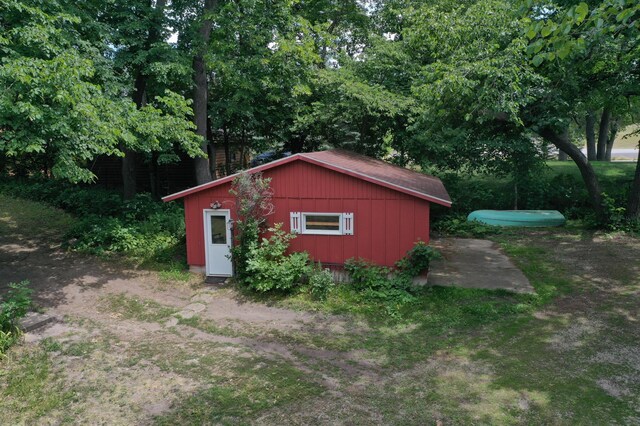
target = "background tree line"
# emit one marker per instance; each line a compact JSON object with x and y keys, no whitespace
{"x":474,"y":86}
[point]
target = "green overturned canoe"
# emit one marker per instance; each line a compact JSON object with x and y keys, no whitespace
{"x":518,"y":217}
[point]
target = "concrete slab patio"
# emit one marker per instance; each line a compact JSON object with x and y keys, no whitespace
{"x":473,"y":263}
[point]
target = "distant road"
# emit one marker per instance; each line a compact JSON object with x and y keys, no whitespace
{"x":622,"y":153}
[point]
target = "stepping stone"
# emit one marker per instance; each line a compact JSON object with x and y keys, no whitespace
{"x":186,"y":314}
{"x":34,"y":320}
{"x":202,"y":297}
{"x":195,"y":307}
{"x":171,"y":322}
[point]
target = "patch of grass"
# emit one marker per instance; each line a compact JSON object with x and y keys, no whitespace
{"x":80,"y":349}
{"x":48,"y":344}
{"x":545,"y":275}
{"x":235,"y":386}
{"x":253,"y":388}
{"x":212,"y":327}
{"x":203,"y":360}
{"x":173,"y":272}
{"x":29,"y":389}
{"x":606,"y":171}
{"x":439,"y":307}
{"x":523,"y":360}
{"x":136,"y":308}
{"x":18,"y":215}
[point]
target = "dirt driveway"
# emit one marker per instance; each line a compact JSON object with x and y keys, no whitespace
{"x":132,"y":348}
{"x":140,"y":345}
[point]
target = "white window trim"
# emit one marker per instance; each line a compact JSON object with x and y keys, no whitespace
{"x":306,"y":231}
{"x":299,"y":223}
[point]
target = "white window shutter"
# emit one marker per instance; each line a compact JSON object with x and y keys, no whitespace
{"x":347,"y":223}
{"x":296,"y":222}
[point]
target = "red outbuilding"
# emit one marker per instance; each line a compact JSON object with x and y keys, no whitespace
{"x":341,"y":204}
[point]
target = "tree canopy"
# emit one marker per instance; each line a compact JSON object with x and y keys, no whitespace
{"x":479,"y":86}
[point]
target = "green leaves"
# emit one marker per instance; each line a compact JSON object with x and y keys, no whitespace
{"x":62,"y":105}
{"x":563,"y":31}
{"x":537,"y":60}
{"x":580,"y":13}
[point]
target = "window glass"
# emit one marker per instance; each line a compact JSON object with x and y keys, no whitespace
{"x":314,"y":222}
{"x":218,"y":230}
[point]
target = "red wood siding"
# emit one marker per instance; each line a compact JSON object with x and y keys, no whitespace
{"x":386,"y":223}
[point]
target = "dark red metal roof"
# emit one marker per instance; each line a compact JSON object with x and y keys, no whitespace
{"x":381,"y":172}
{"x":366,"y":168}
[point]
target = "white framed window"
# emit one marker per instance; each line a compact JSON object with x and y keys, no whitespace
{"x":315,"y":223}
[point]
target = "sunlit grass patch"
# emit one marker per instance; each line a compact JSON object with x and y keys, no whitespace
{"x":29,"y":388}
{"x":17,"y":215}
{"x":253,"y":387}
{"x":136,"y":308}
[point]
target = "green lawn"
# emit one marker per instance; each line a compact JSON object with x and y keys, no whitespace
{"x":606,"y":171}
{"x":20,"y":218}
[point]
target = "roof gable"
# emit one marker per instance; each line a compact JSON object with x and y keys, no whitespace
{"x":362,"y":167}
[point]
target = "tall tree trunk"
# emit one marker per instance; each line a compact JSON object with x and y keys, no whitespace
{"x":613,"y":132}
{"x":603,"y":133}
{"x":243,"y":145}
{"x":139,"y":96}
{"x":129,"y":182}
{"x":562,"y":142}
{"x":590,"y":129}
{"x":296,"y":143}
{"x":211,"y":149}
{"x":153,"y":175}
{"x":155,"y":36}
{"x":633,"y":206}
{"x":562,"y":156}
{"x":200,"y":94}
{"x":227,"y":149}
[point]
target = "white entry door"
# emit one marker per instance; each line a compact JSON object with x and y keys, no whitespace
{"x":217,"y":230}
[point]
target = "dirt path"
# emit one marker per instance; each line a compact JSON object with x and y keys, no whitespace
{"x":106,"y":315}
{"x":130,"y":348}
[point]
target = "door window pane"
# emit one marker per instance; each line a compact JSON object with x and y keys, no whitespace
{"x":322,"y":222}
{"x":218,"y":230}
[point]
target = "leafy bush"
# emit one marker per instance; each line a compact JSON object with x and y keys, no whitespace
{"x":141,"y":228}
{"x":392,"y":288}
{"x":366,"y":275}
{"x":615,"y":218}
{"x":459,"y":227}
{"x":547,"y":190}
{"x":269,"y":268}
{"x":7,"y":339}
{"x":13,"y":307}
{"x":320,"y":282}
{"x":79,"y":200}
{"x":247,"y":237}
{"x":262,"y":264}
{"x":375,"y":284}
{"x":417,"y":260}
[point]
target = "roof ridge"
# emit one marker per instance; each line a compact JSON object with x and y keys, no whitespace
{"x":396,"y":166}
{"x":413,"y":183}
